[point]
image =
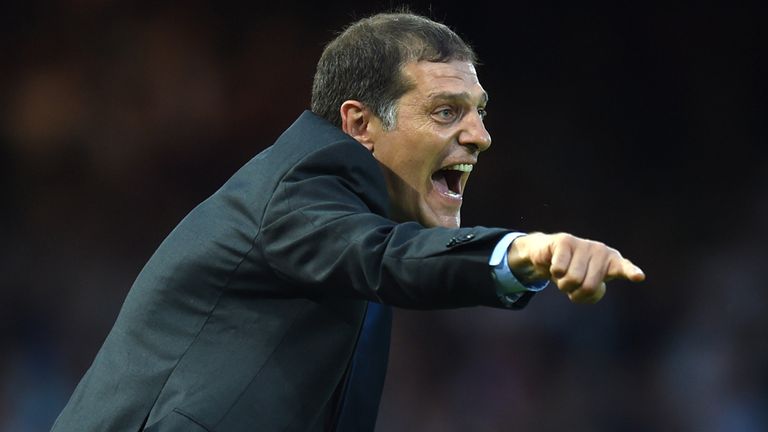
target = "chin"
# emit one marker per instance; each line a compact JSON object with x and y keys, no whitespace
{"x":426,"y":216}
{"x":436,"y":213}
{"x":452,"y":223}
{"x":442,"y":221}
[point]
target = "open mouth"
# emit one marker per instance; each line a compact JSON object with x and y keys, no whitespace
{"x":447,"y":180}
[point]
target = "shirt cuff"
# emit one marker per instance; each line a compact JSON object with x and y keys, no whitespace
{"x":508,"y":288}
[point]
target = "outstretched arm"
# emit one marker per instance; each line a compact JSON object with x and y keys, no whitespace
{"x":579,"y":267}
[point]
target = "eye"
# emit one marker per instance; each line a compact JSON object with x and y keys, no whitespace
{"x":482,"y":112}
{"x":446,"y":114}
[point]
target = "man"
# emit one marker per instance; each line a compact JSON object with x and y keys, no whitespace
{"x":263,"y":309}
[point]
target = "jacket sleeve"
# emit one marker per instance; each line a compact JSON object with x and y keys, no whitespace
{"x":324,"y":230}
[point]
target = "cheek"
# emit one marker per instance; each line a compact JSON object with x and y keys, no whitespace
{"x":417,"y":171}
{"x":414,"y":156}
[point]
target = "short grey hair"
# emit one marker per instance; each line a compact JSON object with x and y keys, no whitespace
{"x":365,"y":62}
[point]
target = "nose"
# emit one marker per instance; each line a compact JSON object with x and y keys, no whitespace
{"x":474,"y":134}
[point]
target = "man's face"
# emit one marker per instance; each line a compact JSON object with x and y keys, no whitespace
{"x":439,"y":133}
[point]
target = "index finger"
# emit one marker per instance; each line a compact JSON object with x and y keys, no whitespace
{"x":622,"y":268}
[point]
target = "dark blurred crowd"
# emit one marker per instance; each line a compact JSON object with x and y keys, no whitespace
{"x":641,"y":128}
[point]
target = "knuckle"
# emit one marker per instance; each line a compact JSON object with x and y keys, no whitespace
{"x":568,"y":281}
{"x":594,"y":247}
{"x":558,"y":266}
{"x":565,"y":284}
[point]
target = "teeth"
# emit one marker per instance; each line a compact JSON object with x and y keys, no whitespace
{"x":460,"y":167}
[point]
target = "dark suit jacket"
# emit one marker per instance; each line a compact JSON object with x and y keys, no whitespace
{"x":246,"y":316}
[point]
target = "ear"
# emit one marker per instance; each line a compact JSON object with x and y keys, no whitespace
{"x":356,"y":122}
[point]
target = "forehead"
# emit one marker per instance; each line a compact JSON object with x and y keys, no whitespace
{"x":433,"y":80}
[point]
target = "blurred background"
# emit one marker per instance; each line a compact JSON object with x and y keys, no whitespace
{"x":639,"y":126}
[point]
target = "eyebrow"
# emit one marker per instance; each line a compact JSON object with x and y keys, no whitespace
{"x":463,"y":96}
